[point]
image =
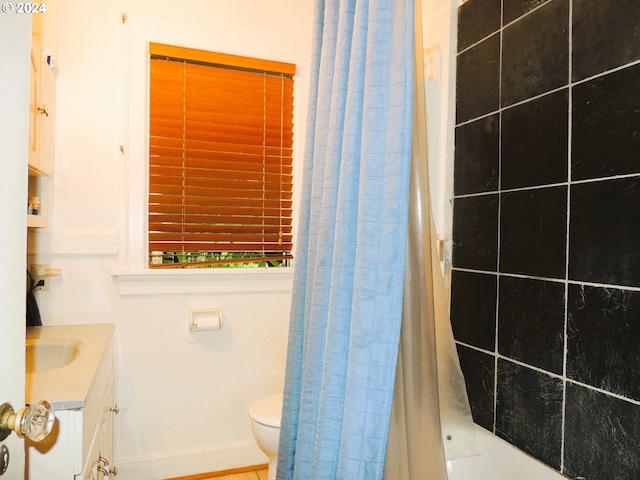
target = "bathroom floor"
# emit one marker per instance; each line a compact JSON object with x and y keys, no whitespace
{"x":259,"y":473}
{"x":254,"y":475}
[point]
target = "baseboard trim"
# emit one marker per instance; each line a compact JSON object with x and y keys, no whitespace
{"x":191,"y":464}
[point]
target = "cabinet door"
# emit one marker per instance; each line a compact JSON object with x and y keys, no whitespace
{"x":47,"y":116}
{"x":106,"y":431}
{"x":58,"y":455}
{"x":99,"y":460}
{"x":41,"y":115}
{"x":34,"y":114}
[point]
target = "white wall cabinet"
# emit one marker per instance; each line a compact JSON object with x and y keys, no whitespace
{"x":42,"y":107}
{"x":42,"y":115}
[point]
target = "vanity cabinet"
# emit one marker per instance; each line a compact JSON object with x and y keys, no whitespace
{"x":42,"y":107}
{"x":80,"y":446}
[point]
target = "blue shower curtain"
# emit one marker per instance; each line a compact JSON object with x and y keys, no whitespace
{"x":351,"y":243}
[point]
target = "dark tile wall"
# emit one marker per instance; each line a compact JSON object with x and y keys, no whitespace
{"x":545,"y":285}
{"x":528,"y":411}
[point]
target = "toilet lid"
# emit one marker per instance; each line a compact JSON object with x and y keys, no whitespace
{"x":267,"y":411}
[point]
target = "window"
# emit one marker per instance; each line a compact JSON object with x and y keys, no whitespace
{"x":220,"y":159}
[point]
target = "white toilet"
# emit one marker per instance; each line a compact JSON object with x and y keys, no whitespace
{"x":265,"y":415}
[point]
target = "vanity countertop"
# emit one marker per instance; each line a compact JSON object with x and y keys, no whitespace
{"x":67,"y":387}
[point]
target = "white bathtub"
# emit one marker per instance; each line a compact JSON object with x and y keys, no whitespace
{"x":499,"y":460}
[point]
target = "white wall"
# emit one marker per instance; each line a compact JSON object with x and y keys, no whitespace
{"x":439,"y":20}
{"x":182,"y":404}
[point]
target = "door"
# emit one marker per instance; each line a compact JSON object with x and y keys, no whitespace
{"x":15,"y":67}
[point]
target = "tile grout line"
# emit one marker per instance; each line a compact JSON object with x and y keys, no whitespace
{"x":498,"y":223}
{"x":565,"y":352}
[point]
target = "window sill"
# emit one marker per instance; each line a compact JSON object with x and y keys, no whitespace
{"x":180,"y":281}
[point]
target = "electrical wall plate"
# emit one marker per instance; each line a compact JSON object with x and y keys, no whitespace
{"x":40,"y":281}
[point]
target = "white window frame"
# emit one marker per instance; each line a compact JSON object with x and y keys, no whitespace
{"x":134,"y":276}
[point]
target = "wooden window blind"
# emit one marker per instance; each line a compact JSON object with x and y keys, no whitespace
{"x":220,"y":158}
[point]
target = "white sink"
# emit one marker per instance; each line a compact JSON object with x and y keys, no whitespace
{"x":65,"y":361}
{"x":50,"y":353}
